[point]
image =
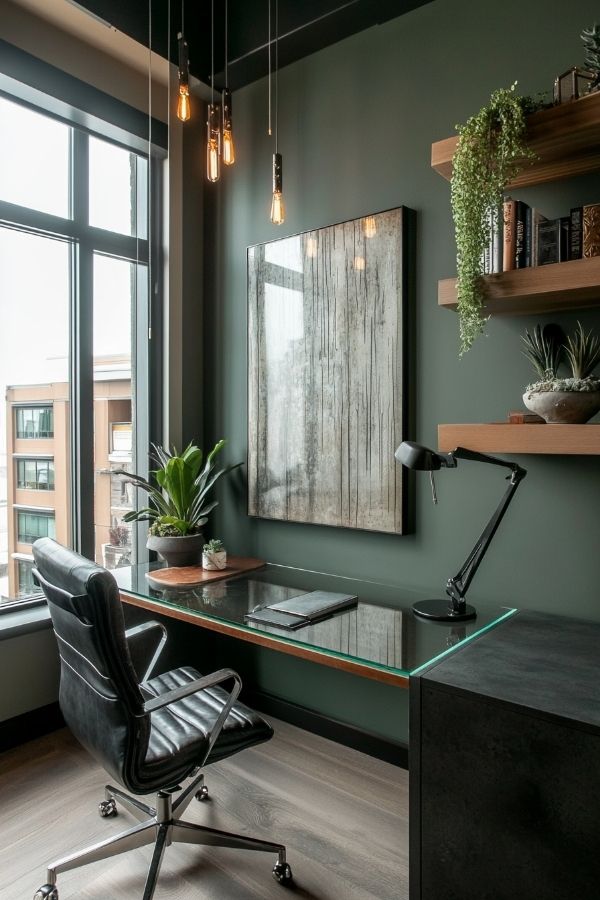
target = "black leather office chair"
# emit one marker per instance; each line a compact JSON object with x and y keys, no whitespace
{"x":149,"y":733}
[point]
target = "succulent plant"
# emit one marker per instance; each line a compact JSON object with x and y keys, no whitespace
{"x":583,"y":352}
{"x":591,"y":42}
{"x":545,"y":349}
{"x":214,"y":546}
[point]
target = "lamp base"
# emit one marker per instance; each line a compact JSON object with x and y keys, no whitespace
{"x":442,"y":612}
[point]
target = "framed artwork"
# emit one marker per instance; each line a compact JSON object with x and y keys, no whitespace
{"x":327,"y":373}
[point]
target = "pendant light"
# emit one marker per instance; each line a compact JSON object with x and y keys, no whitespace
{"x":228,"y":148}
{"x":183,"y":101}
{"x":213,"y":142}
{"x":277,"y":204}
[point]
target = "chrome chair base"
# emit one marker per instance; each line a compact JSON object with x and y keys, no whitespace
{"x":159,"y":826}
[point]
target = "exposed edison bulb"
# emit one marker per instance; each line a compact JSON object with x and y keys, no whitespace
{"x":370,"y":227}
{"x":183,"y":103}
{"x":277,"y":204}
{"x":359,"y":263}
{"x":212,"y":160}
{"x":277,"y":209}
{"x":213,"y":142}
{"x":228,"y":148}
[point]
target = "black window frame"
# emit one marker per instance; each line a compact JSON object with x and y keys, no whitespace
{"x":47,"y":90}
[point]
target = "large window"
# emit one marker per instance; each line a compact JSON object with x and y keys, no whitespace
{"x":35,"y":474}
{"x":34,"y":422}
{"x":74,"y":339}
{"x":33,"y":525}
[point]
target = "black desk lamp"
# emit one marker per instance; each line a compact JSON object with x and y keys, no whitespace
{"x":414,"y":456}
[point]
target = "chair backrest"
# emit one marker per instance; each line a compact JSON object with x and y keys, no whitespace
{"x":99,"y":693}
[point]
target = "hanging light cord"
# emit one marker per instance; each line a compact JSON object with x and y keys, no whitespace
{"x":182,"y":18}
{"x":226,"y":54}
{"x":212,"y":51}
{"x":269,"y":54}
{"x":276,"y":73}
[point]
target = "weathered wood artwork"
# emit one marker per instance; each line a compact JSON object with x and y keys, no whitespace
{"x":325,"y":375}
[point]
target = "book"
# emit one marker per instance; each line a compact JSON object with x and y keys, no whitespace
{"x":520,"y":235}
{"x":564,"y":238}
{"x":277,"y":619}
{"x":295,"y":612}
{"x":508,"y":250}
{"x":536,"y":218}
{"x":591,"y":230}
{"x":314,"y":604}
{"x":548,"y":241}
{"x":576,"y":233}
{"x":525,"y":418}
{"x":497,"y":244}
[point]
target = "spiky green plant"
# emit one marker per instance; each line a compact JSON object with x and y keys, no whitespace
{"x":214,"y":546}
{"x":583,"y":352}
{"x":179,"y":497}
{"x":591,"y":42}
{"x":491,"y":151}
{"x":545,"y":350}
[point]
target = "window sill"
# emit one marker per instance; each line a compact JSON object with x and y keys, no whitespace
{"x":24,"y":621}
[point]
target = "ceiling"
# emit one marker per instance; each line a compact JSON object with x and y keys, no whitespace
{"x":304,"y":28}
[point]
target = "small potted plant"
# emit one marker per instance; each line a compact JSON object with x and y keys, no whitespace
{"x":563,"y":401}
{"x":214,"y":556}
{"x":178,"y":501}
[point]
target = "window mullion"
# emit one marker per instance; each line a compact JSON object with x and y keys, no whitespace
{"x":82,"y":373}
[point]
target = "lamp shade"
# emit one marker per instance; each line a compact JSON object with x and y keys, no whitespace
{"x":415,"y":456}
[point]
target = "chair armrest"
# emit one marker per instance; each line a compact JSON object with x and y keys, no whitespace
{"x":134,"y":632}
{"x":194,"y":687}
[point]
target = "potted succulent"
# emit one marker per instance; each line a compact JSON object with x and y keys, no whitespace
{"x":178,"y":501}
{"x":563,"y":401}
{"x":214,"y":556}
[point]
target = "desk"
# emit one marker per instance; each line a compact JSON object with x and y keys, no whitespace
{"x":505,"y":766}
{"x":380,"y":638}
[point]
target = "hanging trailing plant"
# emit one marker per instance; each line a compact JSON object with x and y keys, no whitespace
{"x":491,"y":151}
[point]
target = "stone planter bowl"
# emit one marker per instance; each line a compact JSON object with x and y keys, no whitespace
{"x":563,"y":407}
{"x":178,"y":551}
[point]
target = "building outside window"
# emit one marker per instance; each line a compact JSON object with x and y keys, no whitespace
{"x":74,"y":247}
{"x":33,"y":525}
{"x":26,"y":586}
{"x":35,"y":422}
{"x":35,"y":474}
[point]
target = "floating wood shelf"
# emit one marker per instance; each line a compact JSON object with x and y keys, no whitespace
{"x":576,"y":440}
{"x":541,"y":289}
{"x":566,"y":140}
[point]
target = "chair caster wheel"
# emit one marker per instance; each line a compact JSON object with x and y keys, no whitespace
{"x":107,"y":808}
{"x":46,"y":892}
{"x":202,"y":794}
{"x":282,"y":873}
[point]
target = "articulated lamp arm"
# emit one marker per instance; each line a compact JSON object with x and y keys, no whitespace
{"x":458,"y":585}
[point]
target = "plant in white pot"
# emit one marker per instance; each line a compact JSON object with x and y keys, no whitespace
{"x":178,"y":501}
{"x":214,"y":556}
{"x":563,"y":401}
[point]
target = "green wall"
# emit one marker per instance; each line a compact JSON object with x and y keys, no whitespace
{"x":356,"y":125}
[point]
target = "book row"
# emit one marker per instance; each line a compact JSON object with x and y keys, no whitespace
{"x":522,"y":237}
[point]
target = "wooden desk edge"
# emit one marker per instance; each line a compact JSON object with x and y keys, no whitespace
{"x":323,"y":657}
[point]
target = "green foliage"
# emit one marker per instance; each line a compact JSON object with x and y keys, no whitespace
{"x":178,"y":498}
{"x":583,"y":352}
{"x":490,"y":152}
{"x":546,"y":349}
{"x":591,"y":42}
{"x":214,"y":546}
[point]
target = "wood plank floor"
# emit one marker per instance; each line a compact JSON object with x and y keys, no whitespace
{"x":343,"y":816}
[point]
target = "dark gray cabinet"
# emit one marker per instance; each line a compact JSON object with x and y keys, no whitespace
{"x":505,"y":766}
